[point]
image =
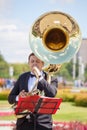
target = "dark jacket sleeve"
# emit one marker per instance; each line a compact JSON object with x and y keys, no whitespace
{"x":19,"y":85}
{"x":50,"y":90}
{"x":14,"y":92}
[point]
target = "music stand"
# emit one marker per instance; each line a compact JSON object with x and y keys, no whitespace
{"x":37,"y":104}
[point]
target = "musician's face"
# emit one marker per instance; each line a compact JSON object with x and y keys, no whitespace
{"x":35,"y":62}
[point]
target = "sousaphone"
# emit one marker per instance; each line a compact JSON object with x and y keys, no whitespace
{"x":55,"y":38}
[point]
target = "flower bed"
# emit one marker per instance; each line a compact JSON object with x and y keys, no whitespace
{"x":69,"y":126}
{"x":56,"y":125}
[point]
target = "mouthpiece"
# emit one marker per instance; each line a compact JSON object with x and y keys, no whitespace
{"x":37,"y":72}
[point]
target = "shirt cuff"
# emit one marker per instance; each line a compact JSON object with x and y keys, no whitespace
{"x":17,"y":98}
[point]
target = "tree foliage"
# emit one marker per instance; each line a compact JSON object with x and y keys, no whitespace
{"x":18,"y":68}
{"x":4,"y":67}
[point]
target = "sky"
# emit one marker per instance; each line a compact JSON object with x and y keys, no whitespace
{"x":17,"y":17}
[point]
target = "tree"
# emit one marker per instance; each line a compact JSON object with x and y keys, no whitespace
{"x":4,"y":67}
{"x":19,"y":69}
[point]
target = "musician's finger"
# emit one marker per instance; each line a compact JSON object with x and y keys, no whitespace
{"x":22,"y":93}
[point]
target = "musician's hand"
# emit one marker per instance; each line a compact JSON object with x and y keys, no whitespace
{"x":37,"y":72}
{"x":23,"y":93}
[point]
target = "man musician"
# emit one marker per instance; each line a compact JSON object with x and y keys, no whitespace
{"x":24,"y":85}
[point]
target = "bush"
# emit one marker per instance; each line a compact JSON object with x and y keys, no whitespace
{"x":81,"y":100}
{"x":66,"y":95}
{"x":4,"y":94}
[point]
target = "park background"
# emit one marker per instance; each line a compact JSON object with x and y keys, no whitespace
{"x":16,"y":18}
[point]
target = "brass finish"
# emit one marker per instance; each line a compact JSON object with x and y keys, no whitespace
{"x":55,"y":37}
{"x":52,"y":69}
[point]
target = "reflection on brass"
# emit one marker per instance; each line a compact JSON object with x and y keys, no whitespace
{"x":52,"y":68}
{"x":55,"y":37}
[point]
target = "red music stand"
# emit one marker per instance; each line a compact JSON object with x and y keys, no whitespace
{"x":38,"y":104}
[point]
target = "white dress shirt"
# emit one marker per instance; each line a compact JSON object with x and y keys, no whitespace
{"x":32,"y":80}
{"x":31,"y":83}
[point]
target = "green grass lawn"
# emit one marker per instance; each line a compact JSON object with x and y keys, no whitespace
{"x":67,"y":112}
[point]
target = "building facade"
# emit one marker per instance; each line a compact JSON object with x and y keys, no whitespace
{"x":82,"y":53}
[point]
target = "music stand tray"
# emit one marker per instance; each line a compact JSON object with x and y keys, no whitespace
{"x":38,"y":104}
